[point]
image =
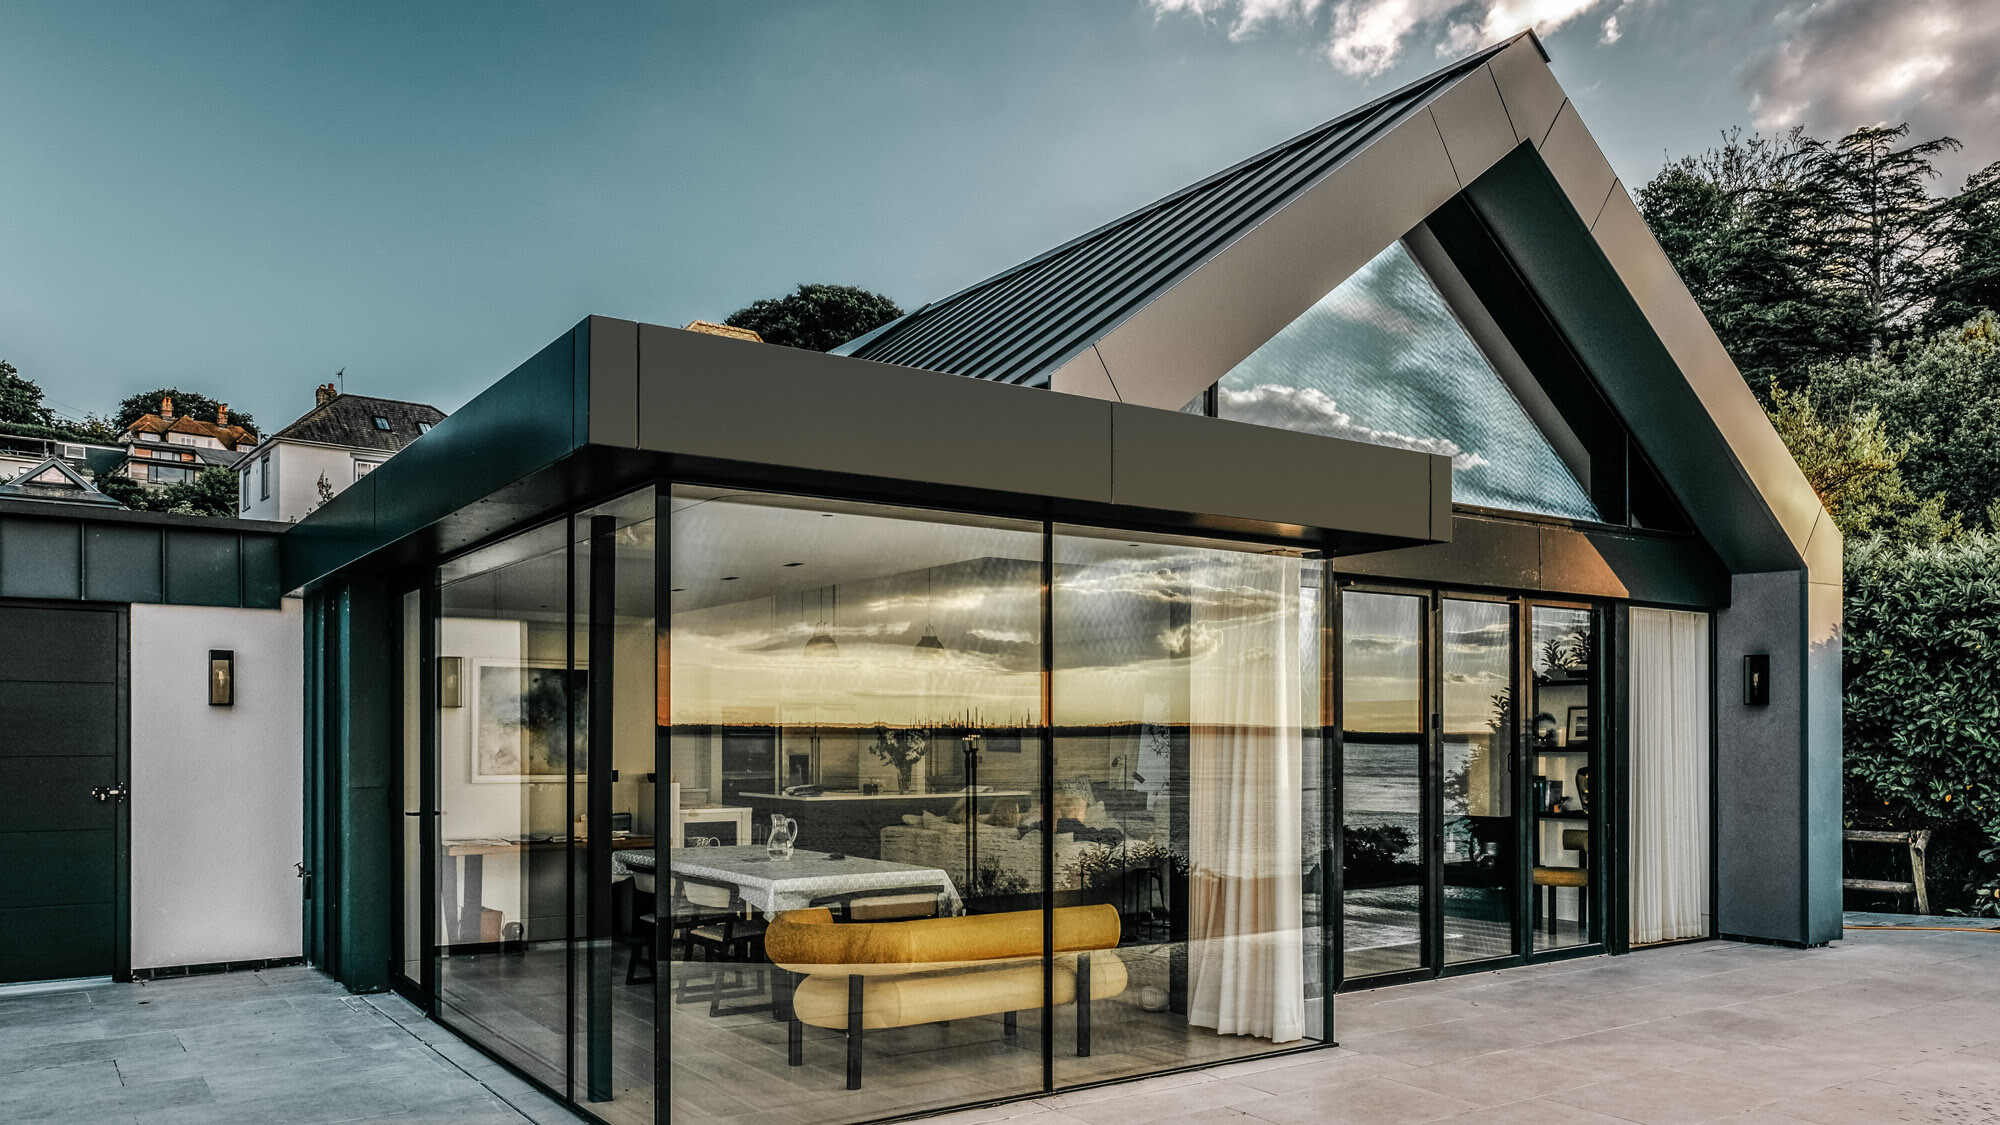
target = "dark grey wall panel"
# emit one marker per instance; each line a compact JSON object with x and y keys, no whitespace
{"x":261,"y":587}
{"x":711,"y":396}
{"x":41,"y":559}
{"x":1185,"y":463}
{"x":611,"y":348}
{"x":202,"y":569}
{"x":1761,"y":811}
{"x":122,"y":564}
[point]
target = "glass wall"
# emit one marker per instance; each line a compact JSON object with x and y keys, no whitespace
{"x":1186,"y":704}
{"x":1384,"y":734}
{"x":543,"y":641}
{"x":857,"y":744}
{"x":1383,"y":359}
{"x":1477,"y":792}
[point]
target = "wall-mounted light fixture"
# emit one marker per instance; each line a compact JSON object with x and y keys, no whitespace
{"x":451,"y":681}
{"x":221,"y":677}
{"x":1757,"y":679}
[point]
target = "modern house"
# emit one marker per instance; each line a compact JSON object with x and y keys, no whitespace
{"x":168,"y":448}
{"x":1362,"y":565}
{"x":340,"y":440}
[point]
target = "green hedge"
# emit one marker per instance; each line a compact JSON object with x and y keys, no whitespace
{"x":1922,"y":648}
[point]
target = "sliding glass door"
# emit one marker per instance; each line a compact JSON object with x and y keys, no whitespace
{"x":1475,"y":795}
{"x":1384,"y":744}
{"x":1455,"y":850}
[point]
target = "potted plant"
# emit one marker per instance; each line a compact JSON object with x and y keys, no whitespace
{"x":902,"y":749}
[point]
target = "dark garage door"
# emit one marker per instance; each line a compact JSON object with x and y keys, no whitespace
{"x":62,"y":711}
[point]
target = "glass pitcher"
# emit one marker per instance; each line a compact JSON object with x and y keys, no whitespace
{"x":784,"y":833}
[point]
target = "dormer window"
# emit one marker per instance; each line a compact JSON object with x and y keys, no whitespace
{"x":381,"y":423}
{"x":423,"y":427}
{"x":149,"y":437}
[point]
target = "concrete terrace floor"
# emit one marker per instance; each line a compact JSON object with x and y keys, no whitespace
{"x":1890,"y":1025}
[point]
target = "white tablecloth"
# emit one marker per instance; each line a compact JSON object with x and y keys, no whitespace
{"x":772,"y":885}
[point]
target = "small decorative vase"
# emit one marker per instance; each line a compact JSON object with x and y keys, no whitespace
{"x":903,"y":777}
{"x":784,"y":833}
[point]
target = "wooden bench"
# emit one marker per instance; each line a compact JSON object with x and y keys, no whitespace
{"x":1919,"y":841}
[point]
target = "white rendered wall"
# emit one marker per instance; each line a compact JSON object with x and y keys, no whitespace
{"x":295,"y":473}
{"x":216,"y":791}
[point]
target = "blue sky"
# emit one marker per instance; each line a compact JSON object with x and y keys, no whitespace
{"x":243,"y":197}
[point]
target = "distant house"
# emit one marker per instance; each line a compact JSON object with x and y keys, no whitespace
{"x":19,"y":452}
{"x":52,"y":480}
{"x":168,"y":448}
{"x":339,"y":441}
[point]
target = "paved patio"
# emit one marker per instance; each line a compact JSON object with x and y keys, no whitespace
{"x":1890,"y":1025}
{"x":282,"y":1045}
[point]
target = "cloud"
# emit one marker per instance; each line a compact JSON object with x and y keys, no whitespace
{"x":1841,"y":64}
{"x":1367,"y":37}
{"x":1313,"y":411}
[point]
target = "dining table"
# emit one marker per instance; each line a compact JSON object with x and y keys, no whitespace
{"x":773,"y":885}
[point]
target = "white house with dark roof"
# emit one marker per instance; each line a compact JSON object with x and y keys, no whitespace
{"x":339,"y":441}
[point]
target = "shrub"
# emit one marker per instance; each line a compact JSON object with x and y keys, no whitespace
{"x":1922,"y":650}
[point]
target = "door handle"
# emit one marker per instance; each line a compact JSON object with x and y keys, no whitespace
{"x":105,"y":793}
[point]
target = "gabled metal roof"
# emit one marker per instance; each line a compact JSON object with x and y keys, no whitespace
{"x":1022,"y":324}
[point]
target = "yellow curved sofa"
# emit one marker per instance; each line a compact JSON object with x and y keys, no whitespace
{"x":862,"y":975}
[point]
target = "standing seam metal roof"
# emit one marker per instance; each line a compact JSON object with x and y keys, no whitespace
{"x":1020,"y":325}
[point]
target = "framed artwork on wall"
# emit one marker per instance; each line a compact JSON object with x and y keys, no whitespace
{"x":521,"y":721}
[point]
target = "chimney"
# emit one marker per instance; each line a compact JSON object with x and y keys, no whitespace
{"x":324,"y":394}
{"x":222,"y":415}
{"x":167,"y":408}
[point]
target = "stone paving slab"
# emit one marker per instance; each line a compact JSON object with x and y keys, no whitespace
{"x":278,"y":1045}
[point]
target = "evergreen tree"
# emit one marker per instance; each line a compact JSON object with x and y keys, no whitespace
{"x":1970,"y":282}
{"x":21,"y":399}
{"x":816,"y":317}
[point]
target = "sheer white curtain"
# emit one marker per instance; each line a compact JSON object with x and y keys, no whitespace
{"x":1245,"y":948}
{"x":1670,"y":701}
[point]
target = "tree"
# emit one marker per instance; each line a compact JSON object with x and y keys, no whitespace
{"x":1970,"y":284}
{"x":21,"y":399}
{"x":816,"y":317}
{"x":1855,"y":466}
{"x":193,"y":404}
{"x":1738,"y":230}
{"x":1945,"y":392}
{"x":211,"y":493}
{"x":1876,"y":232}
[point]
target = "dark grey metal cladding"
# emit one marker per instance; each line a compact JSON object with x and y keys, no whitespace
{"x":532,"y":418}
{"x":74,"y":552}
{"x":1528,"y":215}
{"x":713,"y":397}
{"x":1020,"y":325}
{"x":1506,"y":553}
{"x":1170,"y":461}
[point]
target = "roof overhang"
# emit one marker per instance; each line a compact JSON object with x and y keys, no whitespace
{"x":614,"y":403}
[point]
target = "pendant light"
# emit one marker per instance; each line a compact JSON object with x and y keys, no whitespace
{"x":821,"y":643}
{"x":928,"y":645}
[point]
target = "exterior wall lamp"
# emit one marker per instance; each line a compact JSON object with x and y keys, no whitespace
{"x":221,"y":677}
{"x":1757,"y":679}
